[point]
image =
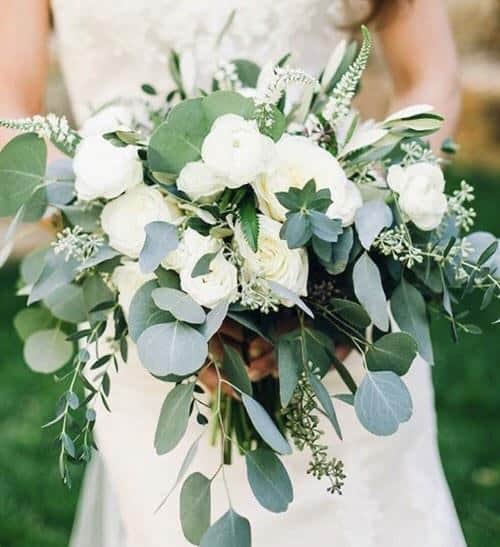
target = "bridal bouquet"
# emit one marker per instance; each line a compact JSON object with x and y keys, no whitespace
{"x":242,"y":203}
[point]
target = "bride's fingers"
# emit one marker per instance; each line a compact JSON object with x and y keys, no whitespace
{"x":262,"y":367}
{"x":232,"y":330}
{"x":258,"y":347}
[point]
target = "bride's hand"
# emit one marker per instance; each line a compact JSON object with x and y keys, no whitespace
{"x":261,"y":353}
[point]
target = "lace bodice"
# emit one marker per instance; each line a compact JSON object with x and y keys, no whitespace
{"x":108,"y":48}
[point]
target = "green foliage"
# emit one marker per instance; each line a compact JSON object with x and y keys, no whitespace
{"x":22,"y":170}
{"x":394,"y":352}
{"x":370,"y":220}
{"x":47,"y":350}
{"x":179,"y":304}
{"x":382,"y":402}
{"x":235,"y":370}
{"x":195,"y":507}
{"x":231,"y":530}
{"x":409,"y":310}
{"x":369,"y":291}
{"x":269,"y":480}
{"x":174,"y":416}
{"x":172,"y":348}
{"x":249,"y":221}
{"x":265,"y":426}
{"x":161,"y":239}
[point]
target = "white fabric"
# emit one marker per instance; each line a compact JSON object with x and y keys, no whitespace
{"x":395,"y":492}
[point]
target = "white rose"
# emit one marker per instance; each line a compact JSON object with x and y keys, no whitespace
{"x":421,"y":193}
{"x":107,"y":120}
{"x":221,"y":283}
{"x":125,"y":218}
{"x":298,"y":161}
{"x":103,"y":170}
{"x":346,"y":209}
{"x":128,"y":279}
{"x":199,"y":182}
{"x":236,"y":150}
{"x":273,"y":260}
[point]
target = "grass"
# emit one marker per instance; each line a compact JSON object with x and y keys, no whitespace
{"x":37,"y":511}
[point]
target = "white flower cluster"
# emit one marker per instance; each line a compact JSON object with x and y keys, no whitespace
{"x":75,"y":243}
{"x":51,"y":127}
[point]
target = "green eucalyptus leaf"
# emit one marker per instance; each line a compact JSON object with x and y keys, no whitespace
{"x":269,"y":480}
{"x":32,"y":265}
{"x":95,"y":293}
{"x":351,"y":312}
{"x":326,"y":402}
{"x":202,"y":266}
{"x":174,"y":417}
{"x":248,"y":72}
{"x":172,"y":348}
{"x":215,"y":318}
{"x":296,"y":230}
{"x":325,"y":228}
{"x":287,"y":294}
{"x":47,"y":350}
{"x":235,"y":370}
{"x":178,"y":140}
{"x":249,"y":221}
{"x":341,"y":252}
{"x":86,"y":216}
{"x":395,"y":352}
{"x":195,"y":507}
{"x":409,"y":310}
{"x":30,"y":320}
{"x":265,"y":426}
{"x":277,"y":123}
{"x":67,"y":303}
{"x":370,"y":220}
{"x":179,"y":304}
{"x":369,"y":291}
{"x":382,"y":402}
{"x":323,"y":249}
{"x":143,"y":311}
{"x":56,"y":272}
{"x":220,"y":103}
{"x":22,"y":170}
{"x":289,"y":369}
{"x":231,"y":530}
{"x":161,"y":239}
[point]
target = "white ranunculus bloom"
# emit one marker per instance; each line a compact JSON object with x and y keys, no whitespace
{"x":299,"y":160}
{"x":236,"y":150}
{"x":125,"y":218}
{"x":421,"y":193}
{"x":346,"y":210}
{"x":128,"y":279}
{"x":274,"y":261}
{"x":103,"y":170}
{"x":199,"y":182}
{"x":208,"y":290}
{"x":108,"y":119}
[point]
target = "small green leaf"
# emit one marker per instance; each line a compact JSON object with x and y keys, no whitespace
{"x":161,"y":239}
{"x":235,"y":370}
{"x":371,"y":219}
{"x":369,"y":291}
{"x":351,"y":312}
{"x":296,"y":230}
{"x":231,"y":530}
{"x":287,"y":294}
{"x":325,"y":228}
{"x":248,"y":72}
{"x":174,"y":417}
{"x":30,"y":320}
{"x":202,"y":266}
{"x":22,"y":170}
{"x":249,"y":221}
{"x":144,"y":313}
{"x":409,"y":310}
{"x":288,"y":366}
{"x":56,"y":272}
{"x":326,"y":402}
{"x":265,"y":426}
{"x":382,"y":402}
{"x":47,"y":350}
{"x":149,"y":89}
{"x":67,"y":303}
{"x":269,"y":480}
{"x":179,"y":304}
{"x":395,"y":352}
{"x":172,"y":348}
{"x":214,"y":320}
{"x":195,"y":507}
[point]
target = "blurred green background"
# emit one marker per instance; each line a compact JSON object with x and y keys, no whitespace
{"x":37,"y":510}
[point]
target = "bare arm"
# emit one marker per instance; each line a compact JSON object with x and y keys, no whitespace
{"x":420,"y":53}
{"x":24,"y":30}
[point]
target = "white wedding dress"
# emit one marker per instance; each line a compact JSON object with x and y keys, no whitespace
{"x":395,"y":493}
